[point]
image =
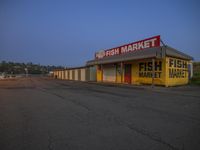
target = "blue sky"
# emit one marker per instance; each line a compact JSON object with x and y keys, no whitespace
{"x":69,"y":32}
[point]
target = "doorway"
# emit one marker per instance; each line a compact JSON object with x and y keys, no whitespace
{"x":109,"y":73}
{"x":127,"y":73}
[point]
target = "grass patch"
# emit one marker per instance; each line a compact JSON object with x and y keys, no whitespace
{"x":196,"y":74}
{"x":195,"y":80}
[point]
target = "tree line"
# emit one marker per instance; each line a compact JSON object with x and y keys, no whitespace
{"x":23,"y":68}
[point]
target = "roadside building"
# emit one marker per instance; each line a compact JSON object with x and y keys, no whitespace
{"x":78,"y":73}
{"x":143,"y":62}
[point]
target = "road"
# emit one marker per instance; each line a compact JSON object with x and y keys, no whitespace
{"x":47,"y":114}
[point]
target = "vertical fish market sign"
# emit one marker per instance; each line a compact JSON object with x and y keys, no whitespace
{"x":131,"y":47}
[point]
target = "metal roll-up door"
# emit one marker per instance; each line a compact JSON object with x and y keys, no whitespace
{"x":79,"y":74}
{"x":63,"y":74}
{"x":59,"y":74}
{"x":73,"y":74}
{"x":66,"y":74}
{"x":83,"y":72}
{"x":70,"y":75}
{"x":87,"y":74}
{"x":109,"y":73}
{"x":93,"y":73}
{"x":76,"y":74}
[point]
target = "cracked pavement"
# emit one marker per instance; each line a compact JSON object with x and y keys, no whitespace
{"x":46,"y":114}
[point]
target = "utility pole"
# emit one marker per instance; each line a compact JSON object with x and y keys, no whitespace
{"x":26,"y":70}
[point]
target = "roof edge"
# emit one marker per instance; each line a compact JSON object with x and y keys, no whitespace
{"x":175,"y":53}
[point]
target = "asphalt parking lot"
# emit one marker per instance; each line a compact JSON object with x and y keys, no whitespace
{"x":47,"y":114}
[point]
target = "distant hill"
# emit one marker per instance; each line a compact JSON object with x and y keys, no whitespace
{"x":21,"y":68}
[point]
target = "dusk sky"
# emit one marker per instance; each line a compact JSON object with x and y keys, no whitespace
{"x":69,"y":32}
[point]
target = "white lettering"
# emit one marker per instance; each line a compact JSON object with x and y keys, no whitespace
{"x":140,"y":45}
{"x":146,"y":44}
{"x":152,"y":41}
{"x":107,"y":53}
{"x":124,"y":49}
{"x":130,"y":48}
{"x":116,"y":51}
{"x":112,"y":52}
{"x":135,"y":47}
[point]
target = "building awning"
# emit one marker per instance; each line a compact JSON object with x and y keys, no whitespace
{"x":156,"y":52}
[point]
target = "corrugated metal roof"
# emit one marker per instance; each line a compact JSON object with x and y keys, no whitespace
{"x":156,"y":52}
{"x":175,"y":53}
{"x":72,"y":68}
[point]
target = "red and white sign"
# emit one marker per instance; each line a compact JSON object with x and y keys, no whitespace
{"x":132,"y":47}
